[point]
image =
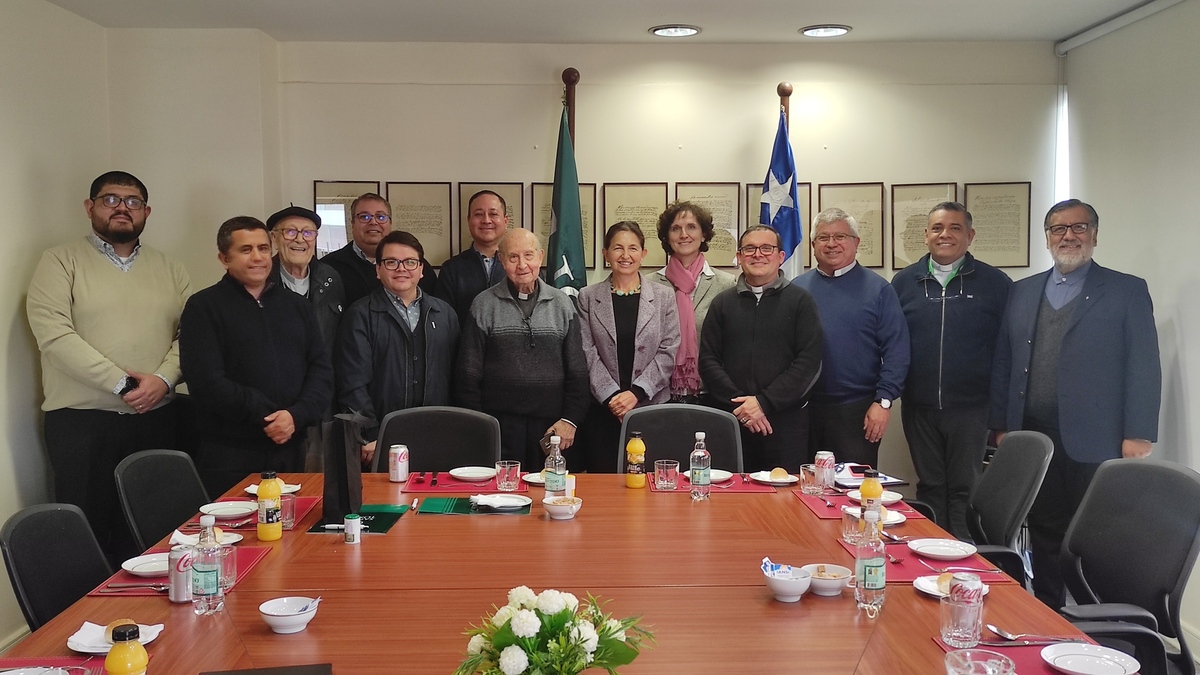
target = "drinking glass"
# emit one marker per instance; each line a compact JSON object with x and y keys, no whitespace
{"x":666,"y":474}
{"x":962,"y":623}
{"x":978,"y":662}
{"x":810,"y":480}
{"x":287,"y":511}
{"x":852,"y":524}
{"x":228,"y":566}
{"x":508,"y":475}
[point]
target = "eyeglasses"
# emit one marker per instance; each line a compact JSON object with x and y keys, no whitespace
{"x":1060,"y":230}
{"x":290,"y":233}
{"x":366,"y":218}
{"x":393,"y":264}
{"x":839,"y":238}
{"x":113,"y":201}
{"x":765,"y":249}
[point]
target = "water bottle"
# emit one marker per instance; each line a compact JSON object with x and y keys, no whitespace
{"x":700,"y":475}
{"x":556,"y":470}
{"x":870,"y":573}
{"x":207,"y":594}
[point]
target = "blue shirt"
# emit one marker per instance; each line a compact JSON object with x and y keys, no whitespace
{"x":1062,"y":288}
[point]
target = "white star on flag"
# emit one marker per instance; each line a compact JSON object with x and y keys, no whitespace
{"x":778,"y":195}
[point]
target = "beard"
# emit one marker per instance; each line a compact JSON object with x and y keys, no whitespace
{"x":119,"y":234}
{"x":1069,"y":259}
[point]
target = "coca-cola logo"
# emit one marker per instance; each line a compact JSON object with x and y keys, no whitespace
{"x":960,"y":592}
{"x":184,"y":563}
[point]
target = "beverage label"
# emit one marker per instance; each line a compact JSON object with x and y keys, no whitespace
{"x":635,"y":467}
{"x":268,"y":511}
{"x":555,"y":482}
{"x":205,"y":580}
{"x":701,"y":476}
{"x":872,"y":575}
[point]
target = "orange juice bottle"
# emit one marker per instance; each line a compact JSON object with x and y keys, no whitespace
{"x":635,"y":461}
{"x":270,"y":525}
{"x":127,"y":656}
{"x":871,"y":494}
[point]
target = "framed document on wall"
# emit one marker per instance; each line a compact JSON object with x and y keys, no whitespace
{"x":423,"y":209}
{"x":641,"y":203}
{"x":331,"y":201}
{"x":724,"y":202}
{"x":1001,"y":215}
{"x":514,"y":202}
{"x":911,"y":203}
{"x":754,"y":195}
{"x":864,"y":201}
{"x":541,"y":210}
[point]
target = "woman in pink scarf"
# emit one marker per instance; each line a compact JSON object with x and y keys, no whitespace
{"x":685,"y":230}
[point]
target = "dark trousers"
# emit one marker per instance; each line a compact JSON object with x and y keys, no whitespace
{"x":520,"y":439}
{"x":1062,"y":491}
{"x":947,"y":448}
{"x":85,"y":447}
{"x":222,"y":465}
{"x":839,"y":429}
{"x":786,"y":446}
{"x":600,"y":437}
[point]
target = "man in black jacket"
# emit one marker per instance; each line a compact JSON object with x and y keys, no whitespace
{"x":478,"y":268}
{"x":396,"y":346}
{"x":254,"y":361}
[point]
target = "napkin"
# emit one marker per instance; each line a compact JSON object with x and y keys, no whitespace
{"x":291,"y":487}
{"x":492,"y":501}
{"x":178,"y":537}
{"x":89,"y":639}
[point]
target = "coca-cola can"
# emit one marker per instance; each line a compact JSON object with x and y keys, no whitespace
{"x":179,"y":573}
{"x":826,"y":467}
{"x":398,"y":463}
{"x":966,"y":587}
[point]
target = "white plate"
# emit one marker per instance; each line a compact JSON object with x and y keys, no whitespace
{"x":473,"y":474}
{"x":288,"y":489}
{"x":714,"y":475}
{"x":929,"y":585}
{"x":229,"y":510}
{"x":892,"y":517}
{"x":147,"y":634}
{"x":889,"y":497}
{"x":508,"y":502}
{"x":534,"y":478}
{"x":765,"y":477}
{"x":152,"y":565}
{"x":942,"y":549}
{"x":1077,"y":658}
{"x":38,"y":670}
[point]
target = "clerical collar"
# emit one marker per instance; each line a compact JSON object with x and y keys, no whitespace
{"x":935,"y":266}
{"x":838,"y":273}
{"x":512,"y":288}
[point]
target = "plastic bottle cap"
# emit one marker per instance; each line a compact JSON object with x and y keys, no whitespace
{"x":871,"y":515}
{"x":871,"y":473}
{"x":268,"y":474}
{"x":699,"y":435}
{"x":555,"y":439}
{"x":126,"y":632}
{"x":207,"y":521}
{"x":635,"y":434}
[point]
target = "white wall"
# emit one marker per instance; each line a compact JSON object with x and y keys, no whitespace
{"x":1135,"y":139}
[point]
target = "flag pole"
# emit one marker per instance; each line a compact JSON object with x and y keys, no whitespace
{"x":570,"y":78}
{"x":785,"y":101}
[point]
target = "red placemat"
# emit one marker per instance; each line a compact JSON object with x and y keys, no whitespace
{"x":303,"y":506}
{"x":247,"y":558}
{"x":735,"y":484}
{"x":1027,"y":659}
{"x":910,"y":568}
{"x":448,"y":483}
{"x":824,"y":512}
{"x":94,"y":665}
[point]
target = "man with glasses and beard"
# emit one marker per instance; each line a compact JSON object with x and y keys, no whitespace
{"x":105,"y":309}
{"x":1076,"y":359}
{"x":397,"y":346}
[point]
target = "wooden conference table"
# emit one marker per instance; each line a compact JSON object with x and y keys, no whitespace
{"x":398,"y":602}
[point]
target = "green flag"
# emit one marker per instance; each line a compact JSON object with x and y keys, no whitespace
{"x":564,"y":257}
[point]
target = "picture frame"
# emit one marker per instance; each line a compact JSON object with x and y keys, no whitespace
{"x":328,"y":195}
{"x":724,"y":202}
{"x":642,"y":203}
{"x":863,"y":201}
{"x":424,"y":210}
{"x":1001,"y":215}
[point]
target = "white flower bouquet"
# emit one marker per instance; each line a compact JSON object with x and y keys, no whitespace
{"x":551,"y":633}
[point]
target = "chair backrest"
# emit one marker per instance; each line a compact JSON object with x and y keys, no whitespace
{"x":440,"y":438}
{"x":159,"y":490}
{"x":53,"y":559}
{"x":1001,"y":499}
{"x":1135,"y":538}
{"x":669,"y":430}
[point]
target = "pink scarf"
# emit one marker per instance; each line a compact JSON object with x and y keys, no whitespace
{"x":686,"y":377}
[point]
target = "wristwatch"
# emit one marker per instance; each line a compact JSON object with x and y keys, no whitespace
{"x":885,"y":403}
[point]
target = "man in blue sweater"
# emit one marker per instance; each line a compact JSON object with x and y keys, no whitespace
{"x":866,"y":344}
{"x":953,"y":304}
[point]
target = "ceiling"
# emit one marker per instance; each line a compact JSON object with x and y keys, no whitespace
{"x":610,"y":21}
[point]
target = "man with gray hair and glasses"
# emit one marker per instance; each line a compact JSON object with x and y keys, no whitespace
{"x":953,"y":304}
{"x":866,"y":344}
{"x":1076,"y":359}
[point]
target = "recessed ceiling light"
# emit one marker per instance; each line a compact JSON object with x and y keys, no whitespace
{"x":825,"y":30}
{"x":675,"y":30}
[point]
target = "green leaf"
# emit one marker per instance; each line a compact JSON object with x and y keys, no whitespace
{"x":504,"y":637}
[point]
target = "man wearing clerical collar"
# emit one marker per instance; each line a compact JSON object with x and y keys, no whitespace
{"x":866,"y":344}
{"x":397,"y":346}
{"x":953,"y":305}
{"x":521,"y":358}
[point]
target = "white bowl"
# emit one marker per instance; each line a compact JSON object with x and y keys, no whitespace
{"x":283,"y":614}
{"x":829,"y":587}
{"x":790,"y":589}
{"x":562,"y":511}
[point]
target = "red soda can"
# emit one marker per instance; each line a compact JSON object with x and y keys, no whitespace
{"x":966,"y":587}
{"x":179,"y":573}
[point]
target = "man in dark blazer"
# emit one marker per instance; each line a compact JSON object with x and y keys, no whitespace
{"x":1076,"y":359}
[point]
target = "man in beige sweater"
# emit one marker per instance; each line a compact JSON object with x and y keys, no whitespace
{"x":105,"y":312}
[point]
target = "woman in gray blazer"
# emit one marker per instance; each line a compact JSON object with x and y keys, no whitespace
{"x":630,"y":334}
{"x":685,"y":230}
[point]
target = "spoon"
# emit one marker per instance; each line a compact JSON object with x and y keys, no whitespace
{"x":1024,"y":636}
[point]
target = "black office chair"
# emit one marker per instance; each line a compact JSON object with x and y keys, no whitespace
{"x":439,"y":438}
{"x":669,"y":430}
{"x":1003,"y":496}
{"x":159,"y":490}
{"x":1127,"y":557}
{"x":53,"y":559}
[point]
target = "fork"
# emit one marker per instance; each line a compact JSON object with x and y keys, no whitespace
{"x":959,"y":568}
{"x":147,"y":587}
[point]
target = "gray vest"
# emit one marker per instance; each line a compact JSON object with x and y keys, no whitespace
{"x":1041,"y":396}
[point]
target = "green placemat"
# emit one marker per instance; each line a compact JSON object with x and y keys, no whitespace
{"x":462,"y":506}
{"x":378,"y":518}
